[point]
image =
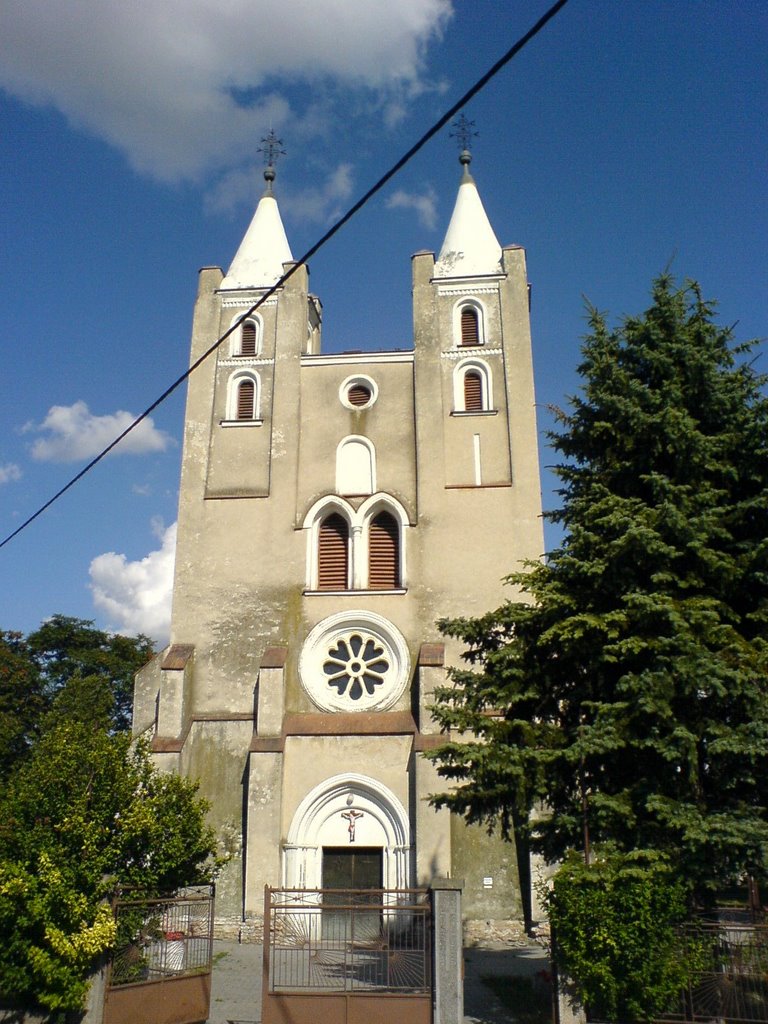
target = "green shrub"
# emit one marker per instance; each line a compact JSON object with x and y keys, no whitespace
{"x":616,"y":935}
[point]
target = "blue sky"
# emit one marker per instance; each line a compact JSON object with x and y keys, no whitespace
{"x":627,"y":137}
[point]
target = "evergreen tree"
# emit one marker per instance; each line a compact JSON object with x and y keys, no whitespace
{"x":626,"y":685}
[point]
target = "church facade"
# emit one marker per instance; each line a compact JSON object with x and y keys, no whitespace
{"x":332,"y":509}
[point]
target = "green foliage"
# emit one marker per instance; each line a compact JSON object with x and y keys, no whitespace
{"x":64,"y":648}
{"x":625,"y":683}
{"x":84,"y":815}
{"x":616,"y":934}
{"x":22,"y":699}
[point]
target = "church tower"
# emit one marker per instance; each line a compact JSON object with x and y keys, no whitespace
{"x":332,"y":509}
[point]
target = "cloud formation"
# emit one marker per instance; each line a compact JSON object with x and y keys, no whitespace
{"x":136,"y":596}
{"x":74,"y":433}
{"x":425,"y":205}
{"x":179,"y":86}
{"x":10,"y":471}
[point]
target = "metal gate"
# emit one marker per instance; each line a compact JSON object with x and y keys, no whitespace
{"x":373,"y":966}
{"x":160,"y":970}
{"x":730,"y":980}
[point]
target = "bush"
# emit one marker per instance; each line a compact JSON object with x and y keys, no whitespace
{"x":616,"y":935}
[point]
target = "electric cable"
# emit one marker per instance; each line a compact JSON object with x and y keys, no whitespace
{"x":361,"y":202}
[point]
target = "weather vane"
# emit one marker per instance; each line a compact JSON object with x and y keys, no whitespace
{"x":464,"y":133}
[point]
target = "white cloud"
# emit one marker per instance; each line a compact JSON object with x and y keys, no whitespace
{"x":319,"y":205}
{"x":425,"y":205}
{"x":10,"y":471}
{"x":182,"y":88}
{"x":74,"y":433}
{"x":136,"y":596}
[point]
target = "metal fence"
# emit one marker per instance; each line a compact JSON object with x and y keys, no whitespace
{"x":730,"y":979}
{"x":163,"y":938}
{"x":365,"y":941}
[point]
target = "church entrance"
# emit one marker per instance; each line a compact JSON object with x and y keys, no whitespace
{"x":352,"y":871}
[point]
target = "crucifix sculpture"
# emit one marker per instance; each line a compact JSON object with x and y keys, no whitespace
{"x":351,"y":817}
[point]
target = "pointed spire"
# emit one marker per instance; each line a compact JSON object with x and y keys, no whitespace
{"x":258,"y":263}
{"x":470,"y":247}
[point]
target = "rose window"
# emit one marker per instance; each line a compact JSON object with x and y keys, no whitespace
{"x":356,"y":665}
{"x":354,"y":662}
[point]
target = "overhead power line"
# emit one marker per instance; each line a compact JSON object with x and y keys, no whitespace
{"x":339,"y":224}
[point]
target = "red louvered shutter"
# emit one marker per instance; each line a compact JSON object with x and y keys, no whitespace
{"x":245,"y":395}
{"x":359,"y":394}
{"x":470,"y":334}
{"x":248,"y":339}
{"x":384,"y":553}
{"x":333,"y":554}
{"x":473,"y":392}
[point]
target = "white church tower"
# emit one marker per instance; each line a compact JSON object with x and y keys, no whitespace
{"x":332,"y":509}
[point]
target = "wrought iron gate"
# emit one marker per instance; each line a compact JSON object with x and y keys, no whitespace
{"x":160,"y":970}
{"x":372,"y":966}
{"x":730,"y":982}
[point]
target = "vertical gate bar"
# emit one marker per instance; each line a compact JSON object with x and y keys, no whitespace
{"x":267,"y":943}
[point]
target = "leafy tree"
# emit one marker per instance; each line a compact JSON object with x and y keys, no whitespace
{"x":80,"y":818}
{"x":64,"y":647}
{"x":22,"y":699}
{"x":626,"y":684}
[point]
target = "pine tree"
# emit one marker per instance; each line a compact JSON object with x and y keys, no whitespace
{"x":626,"y":685}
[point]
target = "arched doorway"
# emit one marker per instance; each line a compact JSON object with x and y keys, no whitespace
{"x":346,"y":813}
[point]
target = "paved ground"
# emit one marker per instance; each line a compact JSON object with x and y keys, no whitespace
{"x":236,"y":987}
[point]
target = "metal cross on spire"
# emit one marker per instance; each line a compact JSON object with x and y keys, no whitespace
{"x":464,"y":132}
{"x":272,"y":149}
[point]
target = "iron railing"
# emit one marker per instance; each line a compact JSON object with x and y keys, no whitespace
{"x":163,"y":938}
{"x":356,"y":940}
{"x":729,"y":979}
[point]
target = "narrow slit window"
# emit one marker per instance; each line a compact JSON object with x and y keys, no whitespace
{"x":470,"y":326}
{"x":384,"y":553}
{"x":473,"y":391}
{"x":248,"y":338}
{"x":246,"y":394}
{"x":333,"y":554}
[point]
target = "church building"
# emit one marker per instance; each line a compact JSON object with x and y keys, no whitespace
{"x":332,"y":509}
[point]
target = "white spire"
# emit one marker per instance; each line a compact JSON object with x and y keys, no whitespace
{"x":470,"y":247}
{"x":259,"y":261}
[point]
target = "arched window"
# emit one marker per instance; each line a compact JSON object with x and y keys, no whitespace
{"x":472,"y":387}
{"x":333,"y":553}
{"x":248,"y":338}
{"x":246,"y":394}
{"x":243,"y":398}
{"x":384,"y":553}
{"x":470,"y":326}
{"x":473,"y":391}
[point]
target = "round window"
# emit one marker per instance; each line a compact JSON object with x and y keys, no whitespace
{"x":358,"y":395}
{"x":358,"y":392}
{"x":354,"y":662}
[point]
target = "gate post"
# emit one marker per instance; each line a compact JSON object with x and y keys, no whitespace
{"x":449,"y":953}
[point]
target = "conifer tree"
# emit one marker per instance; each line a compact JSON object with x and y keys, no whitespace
{"x":626,"y":684}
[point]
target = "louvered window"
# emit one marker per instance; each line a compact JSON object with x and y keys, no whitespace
{"x":470,"y":328}
{"x":246,"y":392}
{"x":333,"y":554}
{"x":248,"y":338}
{"x":473,"y":391}
{"x":384,"y":553}
{"x":359,"y":394}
